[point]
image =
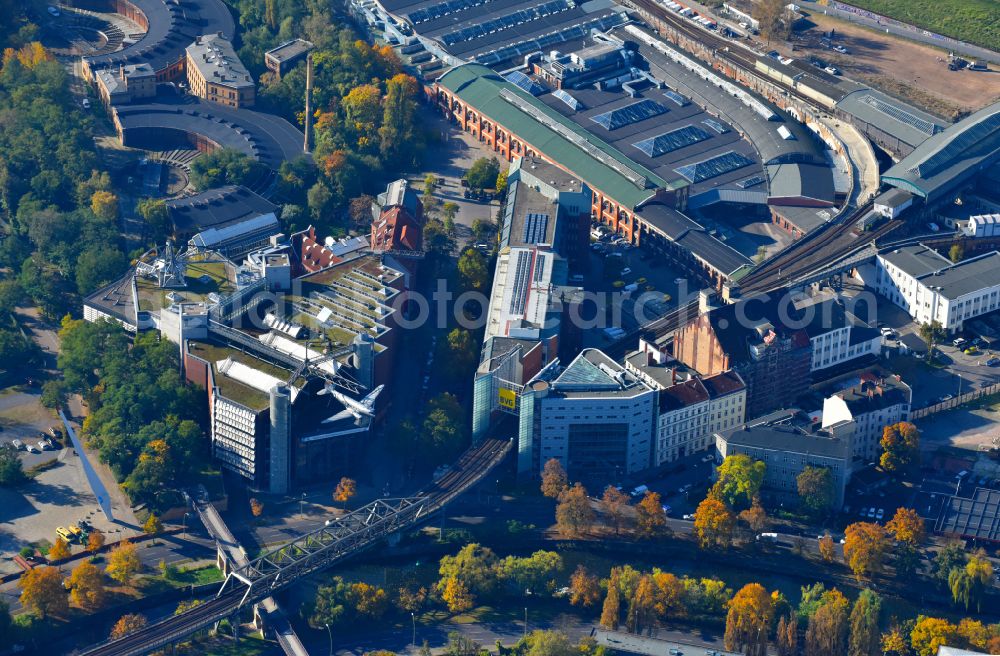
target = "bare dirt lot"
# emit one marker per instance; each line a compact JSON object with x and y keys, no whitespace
{"x":916,"y":72}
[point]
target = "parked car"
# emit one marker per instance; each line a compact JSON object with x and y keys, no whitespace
{"x":18,"y":444}
{"x":993,"y":362}
{"x":688,"y":517}
{"x":958,"y":342}
{"x":626,"y":271}
{"x":972,"y":350}
{"x":53,"y":11}
{"x":880,"y":514}
{"x":85,"y":103}
{"x":871,"y":513}
{"x":64,"y":533}
{"x":841,"y":49}
{"x":42,"y":446}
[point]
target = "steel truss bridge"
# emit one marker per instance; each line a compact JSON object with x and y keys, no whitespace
{"x":313,"y":552}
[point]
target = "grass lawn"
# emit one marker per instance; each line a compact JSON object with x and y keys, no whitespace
{"x":973,"y":21}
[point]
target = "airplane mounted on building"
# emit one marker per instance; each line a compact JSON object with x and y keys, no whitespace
{"x":352,"y":407}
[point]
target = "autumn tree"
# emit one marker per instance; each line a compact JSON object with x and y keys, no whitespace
{"x":827,"y":548}
{"x":611,"y":610}
{"x":641,"y":606}
{"x":864,"y":625}
{"x":713,"y":523}
{"x":59,"y":550}
{"x":827,"y":630}
{"x":755,"y":517}
{"x":786,"y":636}
{"x":816,"y":490}
{"x":369,"y":601}
{"x":894,"y":642}
{"x":456,"y":595}
{"x":123,"y":562}
{"x":574,"y":515}
{"x":865,"y":547}
{"x":126,"y":624}
{"x":772,"y":16}
{"x":256,"y":507}
{"x":411,"y":599}
{"x":42,"y":591}
{"x":86,"y":584}
{"x":929,"y":633}
{"x":614,"y":503}
{"x":104,"y":204}
{"x":956,"y":253}
{"x":976,"y":635}
{"x":153,"y":525}
{"x":584,"y":588}
{"x":980,"y":570}
{"x":749,"y":620}
{"x":95,"y":540}
{"x":739,"y":480}
{"x":670,"y":599}
{"x":345,"y":490}
{"x":907,"y":526}
{"x":554,"y":480}
{"x":651,"y":519}
{"x":900,"y":446}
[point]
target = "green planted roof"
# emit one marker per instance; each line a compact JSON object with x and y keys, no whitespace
{"x":484,"y":90}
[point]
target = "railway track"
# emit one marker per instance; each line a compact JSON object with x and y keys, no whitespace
{"x":725,"y":49}
{"x":472,"y":466}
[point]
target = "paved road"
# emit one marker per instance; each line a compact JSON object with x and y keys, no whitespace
{"x":907,"y":31}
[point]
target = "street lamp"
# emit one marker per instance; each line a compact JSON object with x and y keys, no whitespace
{"x":331,"y":637}
{"x":184,"y":524}
{"x":413,"y":618}
{"x":525,"y":621}
{"x":302,"y":503}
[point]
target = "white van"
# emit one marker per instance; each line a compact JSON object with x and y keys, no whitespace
{"x":640,"y":491}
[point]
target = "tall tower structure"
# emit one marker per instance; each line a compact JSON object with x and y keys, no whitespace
{"x":279,"y":456}
{"x":309,"y":89}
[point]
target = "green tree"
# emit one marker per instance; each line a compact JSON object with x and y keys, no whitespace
{"x":11,"y":472}
{"x":949,"y":557}
{"x":739,"y":481}
{"x":535,"y":573}
{"x":224,"y":166}
{"x":816,"y":489}
{"x":156,"y":218}
{"x":549,"y":643}
{"x":932,"y":333}
{"x":472,"y":267}
{"x":475,"y":566}
{"x":864,"y":629}
{"x":444,"y":433}
{"x":329,"y":607}
{"x":483,"y":173}
{"x":96,"y":267}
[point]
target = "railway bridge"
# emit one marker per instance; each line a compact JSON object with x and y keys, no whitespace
{"x":336,"y":540}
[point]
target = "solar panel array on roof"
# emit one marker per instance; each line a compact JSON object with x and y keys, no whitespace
{"x":520,"y":288}
{"x":506,"y":22}
{"x":540,"y":268}
{"x":524,"y":82}
{"x":977,"y":518}
{"x":899,"y":114}
{"x":714,"y":166}
{"x":535,"y":226}
{"x":637,"y":111}
{"x":441,"y":9}
{"x":601,"y":22}
{"x":715,"y":125}
{"x":676,"y":97}
{"x":751,"y":182}
{"x":564,"y":96}
{"x":673,"y":140}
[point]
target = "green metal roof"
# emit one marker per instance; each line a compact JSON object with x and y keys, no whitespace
{"x":483,"y":90}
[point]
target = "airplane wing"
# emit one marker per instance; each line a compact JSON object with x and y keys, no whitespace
{"x":343,"y":414}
